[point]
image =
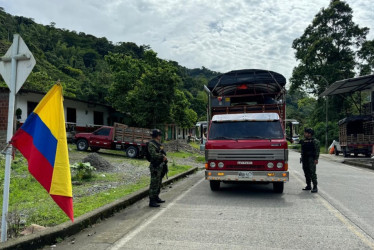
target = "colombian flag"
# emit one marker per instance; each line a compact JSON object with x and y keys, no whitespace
{"x":42,"y":141}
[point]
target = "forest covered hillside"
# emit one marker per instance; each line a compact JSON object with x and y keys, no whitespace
{"x":97,"y":70}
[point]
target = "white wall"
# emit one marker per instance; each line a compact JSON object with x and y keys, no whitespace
{"x":85,"y":111}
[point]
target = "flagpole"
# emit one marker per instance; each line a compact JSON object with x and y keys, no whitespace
{"x":8,"y":157}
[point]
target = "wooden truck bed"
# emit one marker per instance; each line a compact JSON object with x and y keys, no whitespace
{"x":125,"y":134}
{"x":363,"y":134}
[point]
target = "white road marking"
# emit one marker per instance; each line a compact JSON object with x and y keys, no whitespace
{"x":366,"y":239}
{"x":132,"y":234}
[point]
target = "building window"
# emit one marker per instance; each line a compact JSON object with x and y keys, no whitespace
{"x":30,"y":107}
{"x":98,"y":118}
{"x":71,"y":115}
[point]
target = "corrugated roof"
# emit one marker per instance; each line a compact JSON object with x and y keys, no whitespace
{"x":350,"y":85}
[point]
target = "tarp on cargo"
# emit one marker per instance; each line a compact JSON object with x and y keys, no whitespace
{"x":247,"y":81}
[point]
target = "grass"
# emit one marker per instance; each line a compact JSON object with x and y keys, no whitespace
{"x":29,"y":201}
{"x":195,"y":144}
{"x":198,"y":158}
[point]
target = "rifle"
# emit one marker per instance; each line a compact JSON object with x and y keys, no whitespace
{"x":165,"y":168}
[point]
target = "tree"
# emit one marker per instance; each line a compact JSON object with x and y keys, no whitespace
{"x":145,"y":89}
{"x":181,"y":113}
{"x":327,"y":48}
{"x":366,"y":53}
{"x":153,"y":96}
{"x":326,"y":52}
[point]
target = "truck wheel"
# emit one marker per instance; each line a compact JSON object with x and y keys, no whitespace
{"x":132,"y":152}
{"x":278,"y":187}
{"x":82,"y":145}
{"x":94,"y":149}
{"x":345,"y":154}
{"x":214,"y":185}
{"x":336,"y":151}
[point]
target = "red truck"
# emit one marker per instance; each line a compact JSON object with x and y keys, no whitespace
{"x":132,"y":140}
{"x":246,"y":136}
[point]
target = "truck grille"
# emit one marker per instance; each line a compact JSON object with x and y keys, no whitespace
{"x":246,"y":154}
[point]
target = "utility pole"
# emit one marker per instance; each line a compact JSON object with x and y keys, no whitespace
{"x":327,"y":118}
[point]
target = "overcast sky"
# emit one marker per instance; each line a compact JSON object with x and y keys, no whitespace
{"x":221,"y":35}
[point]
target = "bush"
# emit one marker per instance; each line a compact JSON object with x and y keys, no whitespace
{"x":84,"y":170}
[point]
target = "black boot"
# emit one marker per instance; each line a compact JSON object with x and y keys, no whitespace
{"x":308,"y":187}
{"x":158,"y":200}
{"x":315,"y":189}
{"x":153,"y":203}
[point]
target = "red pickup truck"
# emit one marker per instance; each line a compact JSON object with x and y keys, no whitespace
{"x":246,"y":137}
{"x":132,"y":140}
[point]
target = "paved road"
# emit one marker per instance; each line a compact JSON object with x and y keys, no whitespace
{"x":340,"y":216}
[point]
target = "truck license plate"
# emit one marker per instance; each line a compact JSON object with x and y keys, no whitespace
{"x":245,"y":174}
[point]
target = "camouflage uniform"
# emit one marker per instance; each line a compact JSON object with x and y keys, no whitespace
{"x":310,"y":153}
{"x":156,"y":168}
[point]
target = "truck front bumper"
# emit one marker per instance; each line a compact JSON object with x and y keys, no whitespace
{"x":254,"y":176}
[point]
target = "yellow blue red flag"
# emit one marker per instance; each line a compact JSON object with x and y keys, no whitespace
{"x":42,"y":141}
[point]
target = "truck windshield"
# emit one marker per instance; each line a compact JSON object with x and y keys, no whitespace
{"x":246,"y":130}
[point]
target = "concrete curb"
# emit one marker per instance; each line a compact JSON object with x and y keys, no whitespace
{"x":49,"y":236}
{"x":358,"y":164}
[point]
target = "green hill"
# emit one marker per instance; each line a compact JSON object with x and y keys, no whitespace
{"x":80,"y":62}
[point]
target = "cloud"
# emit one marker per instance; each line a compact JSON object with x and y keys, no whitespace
{"x":220,"y":35}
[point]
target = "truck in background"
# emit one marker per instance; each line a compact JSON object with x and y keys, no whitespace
{"x":246,"y":136}
{"x":356,"y":136}
{"x":132,"y":140}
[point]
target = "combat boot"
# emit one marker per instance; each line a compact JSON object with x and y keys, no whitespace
{"x":308,"y":187}
{"x":315,"y":189}
{"x":153,"y":203}
{"x":158,"y":200}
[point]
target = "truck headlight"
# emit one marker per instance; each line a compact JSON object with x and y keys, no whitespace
{"x":220,"y":165}
{"x":270,"y":165}
{"x":212,"y":164}
{"x":279,"y":165}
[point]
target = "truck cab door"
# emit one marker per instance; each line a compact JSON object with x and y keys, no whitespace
{"x":101,"y":138}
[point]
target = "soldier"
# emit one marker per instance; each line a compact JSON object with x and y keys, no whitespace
{"x":158,"y":162}
{"x":309,"y":159}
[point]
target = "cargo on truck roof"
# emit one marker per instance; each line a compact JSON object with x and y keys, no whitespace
{"x":247,"y":81}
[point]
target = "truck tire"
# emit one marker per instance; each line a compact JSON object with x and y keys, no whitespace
{"x":336,"y":151}
{"x":94,"y":149}
{"x":345,"y":154}
{"x":278,"y":187}
{"x":132,"y":152}
{"x":214,"y":185}
{"x":82,"y":145}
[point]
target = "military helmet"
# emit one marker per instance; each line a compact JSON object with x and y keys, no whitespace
{"x":155,"y":133}
{"x":309,"y":130}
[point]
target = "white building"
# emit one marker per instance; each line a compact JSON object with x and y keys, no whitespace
{"x":79,"y":115}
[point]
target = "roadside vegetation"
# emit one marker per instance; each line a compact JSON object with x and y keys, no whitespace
{"x":30,"y":204}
